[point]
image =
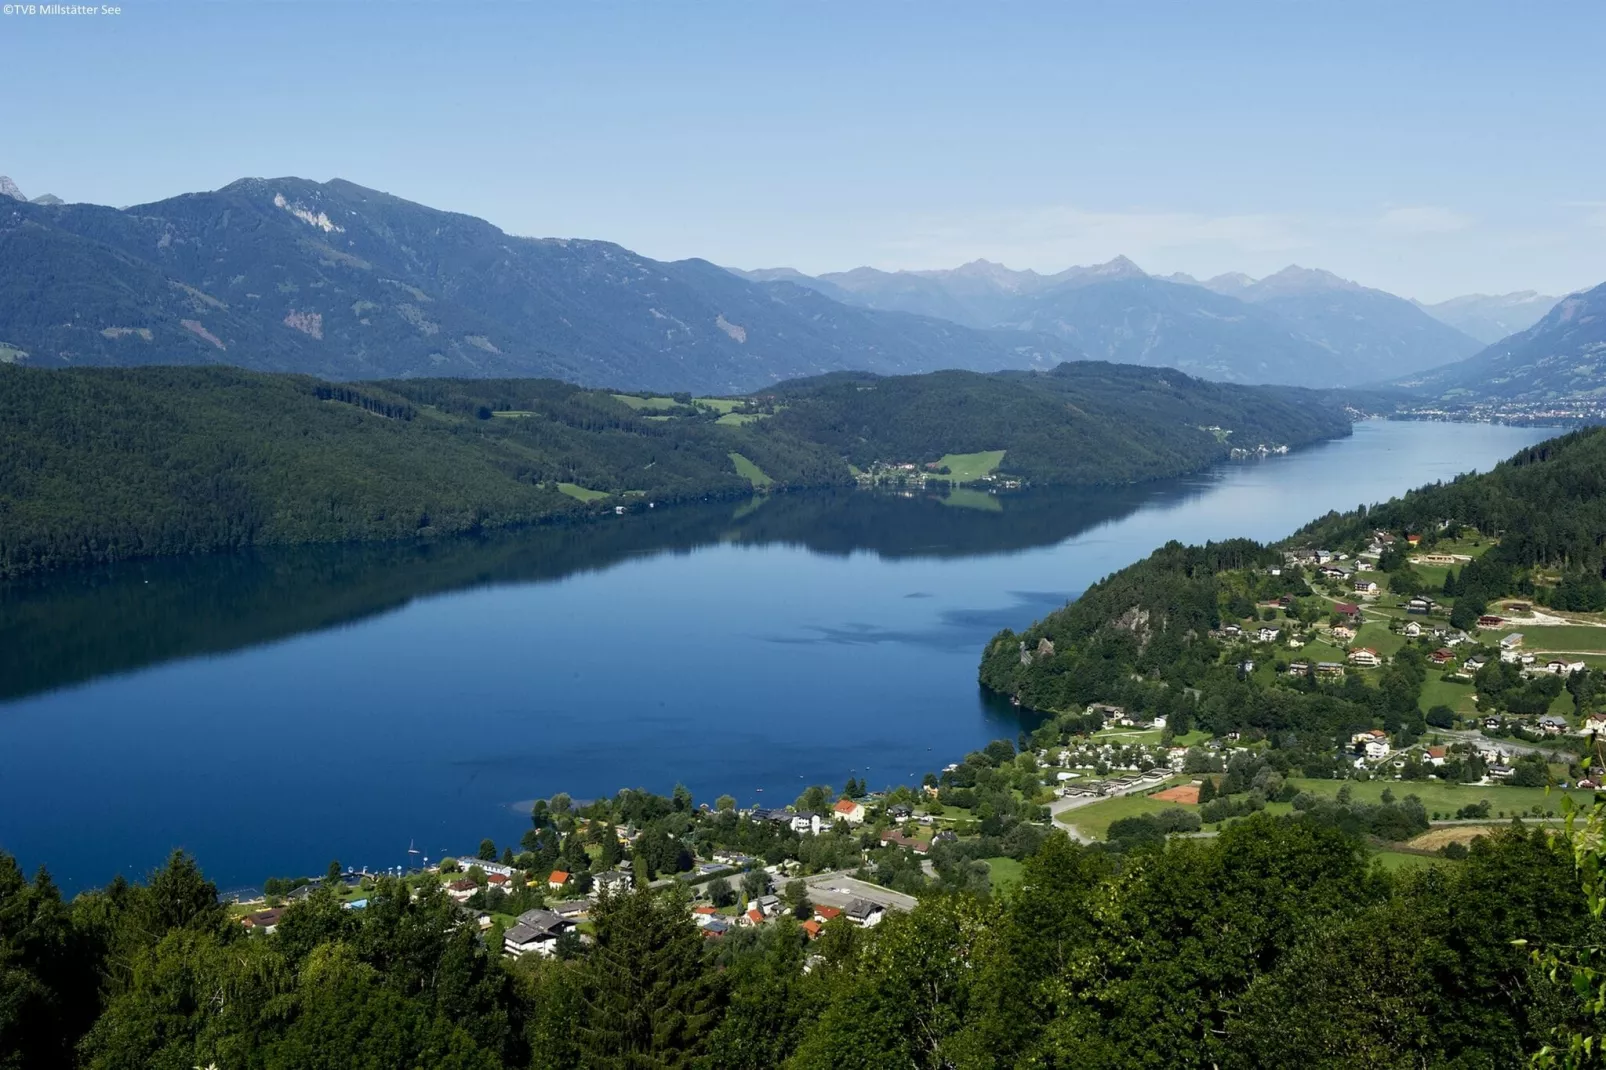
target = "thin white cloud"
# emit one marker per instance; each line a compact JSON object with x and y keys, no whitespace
{"x":1423,"y":219}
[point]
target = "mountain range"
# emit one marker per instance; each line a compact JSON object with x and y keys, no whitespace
{"x":1561,"y":356}
{"x":345,"y":282}
{"x":1491,"y":317}
{"x":1297,"y":326}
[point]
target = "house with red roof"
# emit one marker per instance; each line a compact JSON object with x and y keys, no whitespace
{"x":812,"y":928}
{"x":825,"y":914}
{"x":849,"y":811}
{"x":558,"y":880}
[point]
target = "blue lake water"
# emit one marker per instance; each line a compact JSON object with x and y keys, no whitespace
{"x":269,"y":712}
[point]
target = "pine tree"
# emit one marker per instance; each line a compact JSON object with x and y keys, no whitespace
{"x":649,"y":1001}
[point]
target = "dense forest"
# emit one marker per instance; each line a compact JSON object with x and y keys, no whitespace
{"x":1547,"y":503}
{"x":1087,"y":422}
{"x":1273,"y":945}
{"x":101,"y":465}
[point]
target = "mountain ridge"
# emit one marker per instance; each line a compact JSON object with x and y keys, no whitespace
{"x":1561,"y":356}
{"x":1300,"y":325}
{"x":342,"y":281}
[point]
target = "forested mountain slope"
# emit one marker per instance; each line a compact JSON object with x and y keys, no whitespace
{"x":1087,"y":422}
{"x":1145,"y":633}
{"x":102,"y":464}
{"x":1561,"y":356}
{"x":109,"y":463}
{"x":340,"y":281}
{"x":1548,"y":504}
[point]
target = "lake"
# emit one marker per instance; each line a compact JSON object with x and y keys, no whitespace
{"x":272,"y":711}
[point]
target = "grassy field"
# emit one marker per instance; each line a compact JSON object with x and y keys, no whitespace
{"x":971,"y":498}
{"x":750,"y":471}
{"x":646,"y":403}
{"x":1437,"y":692}
{"x":968,"y":467}
{"x":1473,"y":545}
{"x":721,"y":405}
{"x":737,"y":419}
{"x":1318,"y":650}
{"x":1563,"y":637}
{"x":1095,"y":819}
{"x":584,"y":494}
{"x":1377,"y":636}
{"x":1395,"y":861}
{"x":1446,"y":797}
{"x":512,"y":414}
{"x":1190,"y":739}
{"x":1004,"y":873}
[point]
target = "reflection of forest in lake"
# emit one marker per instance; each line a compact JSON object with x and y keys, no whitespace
{"x":77,"y":626}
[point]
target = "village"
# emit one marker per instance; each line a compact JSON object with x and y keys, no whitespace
{"x":848,"y":858}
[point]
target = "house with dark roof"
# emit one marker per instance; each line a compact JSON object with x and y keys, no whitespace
{"x":536,"y":932}
{"x":863,"y":913}
{"x":264,"y":920}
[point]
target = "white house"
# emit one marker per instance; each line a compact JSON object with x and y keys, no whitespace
{"x":1365,"y":656}
{"x":864,"y":913}
{"x":1268,"y":635}
{"x":536,"y":932}
{"x":1377,"y":749}
{"x":848,"y":810}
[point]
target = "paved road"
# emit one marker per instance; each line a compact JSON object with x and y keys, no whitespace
{"x":1510,"y":746}
{"x":835,"y":888}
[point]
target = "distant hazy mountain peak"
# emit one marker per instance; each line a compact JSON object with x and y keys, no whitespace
{"x":9,"y":188}
{"x":1120,"y":267}
{"x":1491,"y":317}
{"x":1231,"y":283}
{"x":47,"y":199}
{"x":1296,"y":279}
{"x":986,"y":269}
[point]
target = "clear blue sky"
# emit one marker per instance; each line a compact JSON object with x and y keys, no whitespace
{"x":1430,"y":149}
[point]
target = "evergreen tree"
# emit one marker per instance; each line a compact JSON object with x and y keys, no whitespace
{"x":649,"y":1002}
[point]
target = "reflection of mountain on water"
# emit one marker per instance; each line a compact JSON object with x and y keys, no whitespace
{"x":77,"y":626}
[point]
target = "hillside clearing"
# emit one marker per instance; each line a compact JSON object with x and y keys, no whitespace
{"x":969,"y":467}
{"x":750,"y":471}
